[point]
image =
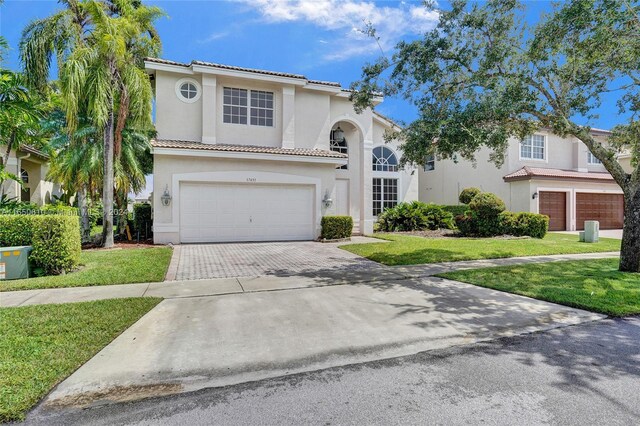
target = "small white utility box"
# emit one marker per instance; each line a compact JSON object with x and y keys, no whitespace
{"x":591,"y":231}
{"x":581,"y":236}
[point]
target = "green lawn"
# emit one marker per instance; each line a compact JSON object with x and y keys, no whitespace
{"x":103,"y":267}
{"x":412,"y":250}
{"x":594,"y":285}
{"x":42,"y":345}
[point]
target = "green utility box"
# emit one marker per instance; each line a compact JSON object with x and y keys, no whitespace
{"x":14,"y":262}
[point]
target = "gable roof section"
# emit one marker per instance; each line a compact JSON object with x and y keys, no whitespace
{"x":34,"y":151}
{"x":527,"y":173}
{"x":302,"y":152}
{"x":242,"y":69}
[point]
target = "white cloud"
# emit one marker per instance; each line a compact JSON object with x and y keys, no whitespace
{"x":347,"y":18}
{"x":215,"y":36}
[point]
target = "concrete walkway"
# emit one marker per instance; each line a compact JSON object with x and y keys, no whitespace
{"x":314,"y":277}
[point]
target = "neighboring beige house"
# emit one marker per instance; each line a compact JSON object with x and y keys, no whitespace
{"x":542,"y":174}
{"x":31,"y":165}
{"x":252,"y":155}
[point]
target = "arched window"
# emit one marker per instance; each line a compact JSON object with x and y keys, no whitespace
{"x":24,"y":176}
{"x":384,"y":160}
{"x":338,"y":143}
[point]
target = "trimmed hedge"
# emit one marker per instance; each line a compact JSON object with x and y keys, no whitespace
{"x":524,"y":224}
{"x":16,"y":230}
{"x":142,"y":218}
{"x":468,"y":194}
{"x":414,"y":216}
{"x":55,"y":239}
{"x":336,"y":227}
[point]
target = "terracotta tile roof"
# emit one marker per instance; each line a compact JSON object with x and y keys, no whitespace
{"x":235,"y":68}
{"x":177,"y":144}
{"x":539,"y":172}
{"x":31,"y":150}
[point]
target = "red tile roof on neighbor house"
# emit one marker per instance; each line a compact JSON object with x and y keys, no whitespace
{"x":235,"y":68}
{"x":177,"y":144}
{"x":539,"y":172}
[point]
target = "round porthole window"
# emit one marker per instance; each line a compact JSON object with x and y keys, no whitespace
{"x":188,"y":90}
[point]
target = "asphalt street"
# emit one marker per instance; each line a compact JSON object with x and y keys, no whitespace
{"x":582,"y":375}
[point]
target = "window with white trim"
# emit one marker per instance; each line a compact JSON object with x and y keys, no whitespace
{"x":533,"y":147}
{"x":591,"y":159}
{"x":188,"y":90}
{"x":430,"y":163}
{"x":385,"y":194}
{"x":234,"y":106}
{"x":261,"y":108}
{"x":384,"y":160}
{"x":24,"y":176}
{"x":338,"y":145}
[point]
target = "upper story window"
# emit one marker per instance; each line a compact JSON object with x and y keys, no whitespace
{"x":384,"y":160}
{"x":234,"y":106}
{"x":591,"y":159}
{"x":237,"y":109}
{"x":261,"y":108}
{"x":532,"y":148}
{"x":188,"y":90}
{"x":24,"y":176}
{"x":430,"y":163}
{"x":338,"y":143}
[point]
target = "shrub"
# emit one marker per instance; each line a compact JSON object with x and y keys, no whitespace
{"x":56,"y":243}
{"x":16,"y":230}
{"x":466,"y":224}
{"x":415,"y":216}
{"x":524,"y":224}
{"x":55,"y":239}
{"x":142,"y":218}
{"x":336,"y":227}
{"x":468,"y":194}
{"x":458,"y":210}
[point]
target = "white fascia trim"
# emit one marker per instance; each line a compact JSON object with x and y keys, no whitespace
{"x":386,"y":122}
{"x":167,"y":67}
{"x":248,"y":156}
{"x":323,"y":88}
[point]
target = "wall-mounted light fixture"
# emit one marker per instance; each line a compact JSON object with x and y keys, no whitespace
{"x":166,"y":197}
{"x":534,"y":196}
{"x":338,"y":134}
{"x":327,"y":201}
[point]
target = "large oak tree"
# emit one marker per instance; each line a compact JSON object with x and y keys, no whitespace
{"x":485,"y":75}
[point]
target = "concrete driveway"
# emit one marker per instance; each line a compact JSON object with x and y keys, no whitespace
{"x":231,"y":260}
{"x":190,"y":343}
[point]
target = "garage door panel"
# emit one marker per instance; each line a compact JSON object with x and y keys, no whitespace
{"x":608,"y":209}
{"x":554,"y":205}
{"x":220,"y":212}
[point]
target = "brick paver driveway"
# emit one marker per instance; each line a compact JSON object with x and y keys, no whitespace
{"x":203,"y":261}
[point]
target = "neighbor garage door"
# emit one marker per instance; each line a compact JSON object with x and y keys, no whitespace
{"x":554,"y":205}
{"x":222,"y":212}
{"x":608,"y":209}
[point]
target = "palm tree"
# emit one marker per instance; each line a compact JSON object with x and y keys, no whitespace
{"x":20,"y":114}
{"x":99,"y":46}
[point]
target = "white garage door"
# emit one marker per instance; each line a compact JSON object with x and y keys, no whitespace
{"x":222,"y":212}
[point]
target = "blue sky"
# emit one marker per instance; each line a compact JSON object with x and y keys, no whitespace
{"x":317,"y":38}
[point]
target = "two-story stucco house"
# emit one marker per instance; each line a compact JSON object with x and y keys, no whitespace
{"x":543,"y":173}
{"x":31,"y":166}
{"x":252,"y":155}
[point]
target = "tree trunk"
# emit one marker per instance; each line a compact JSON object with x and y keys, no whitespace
{"x":630,"y":252}
{"x":5,"y":158}
{"x":85,"y":223}
{"x":107,"y":185}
